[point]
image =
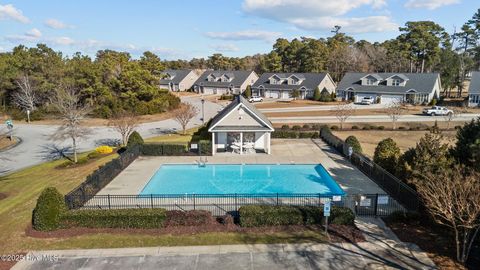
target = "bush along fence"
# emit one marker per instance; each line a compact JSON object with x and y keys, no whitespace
{"x":399,"y":191}
{"x":222,"y":204}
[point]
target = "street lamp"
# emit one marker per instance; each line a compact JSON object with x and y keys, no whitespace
{"x":203,"y":111}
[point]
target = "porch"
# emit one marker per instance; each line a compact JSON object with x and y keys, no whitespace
{"x":241,"y":142}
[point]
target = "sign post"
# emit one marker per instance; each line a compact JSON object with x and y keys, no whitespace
{"x":326,"y":214}
{"x":28,"y":116}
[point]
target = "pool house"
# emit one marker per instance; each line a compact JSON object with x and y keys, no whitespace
{"x":240,"y":129}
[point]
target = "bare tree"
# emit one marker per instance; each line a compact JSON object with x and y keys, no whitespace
{"x":343,"y":112}
{"x":394,"y":111}
{"x":450,"y":116}
{"x":452,"y":197}
{"x":25,"y":97}
{"x":183,"y":116}
{"x":67,"y":102}
{"x":124,"y":123}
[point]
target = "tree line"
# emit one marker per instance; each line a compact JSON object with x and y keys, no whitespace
{"x":113,"y":81}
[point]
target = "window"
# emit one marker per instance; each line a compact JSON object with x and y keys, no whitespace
{"x":396,"y":82}
{"x":370,"y":81}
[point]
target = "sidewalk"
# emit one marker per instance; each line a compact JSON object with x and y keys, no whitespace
{"x":382,"y":250}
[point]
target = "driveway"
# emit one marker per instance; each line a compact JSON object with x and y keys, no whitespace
{"x":37,"y":145}
{"x":381,"y":250}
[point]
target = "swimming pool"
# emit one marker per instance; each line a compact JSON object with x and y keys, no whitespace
{"x":241,"y":179}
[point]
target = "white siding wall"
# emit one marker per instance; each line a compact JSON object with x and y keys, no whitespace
{"x":251,"y":79}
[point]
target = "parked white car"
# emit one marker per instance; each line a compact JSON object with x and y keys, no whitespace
{"x":255,"y":99}
{"x":437,"y":110}
{"x":367,"y":100}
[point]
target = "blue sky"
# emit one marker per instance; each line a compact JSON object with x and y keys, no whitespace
{"x":193,"y":28}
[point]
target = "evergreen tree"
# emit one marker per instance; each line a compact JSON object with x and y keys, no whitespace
{"x":316,"y":94}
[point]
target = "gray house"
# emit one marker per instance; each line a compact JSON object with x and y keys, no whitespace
{"x":386,"y":88}
{"x":178,"y":80}
{"x":281,"y":85}
{"x":221,"y":82}
{"x":474,"y":90}
{"x":240,"y":128}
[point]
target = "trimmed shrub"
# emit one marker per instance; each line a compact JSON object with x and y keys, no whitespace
{"x":296,"y":127}
{"x":285,"y":127}
{"x":205,"y":147}
{"x":316,"y":126}
{"x":380,"y":127}
{"x":366,"y":128}
{"x":306,"y":127}
{"x":134,"y":139}
{"x":341,"y":216}
{"x":104,"y":149}
{"x":402,"y":128}
{"x":94,"y":155}
{"x":164,"y":149}
{"x":387,"y":154}
{"x":116,"y":218}
{"x":308,"y":135}
{"x":226,"y":97}
{"x":316,"y":94}
{"x":334,"y":127}
{"x":325,"y":96}
{"x":285,"y":134}
{"x":354,"y":127}
{"x":188,"y":218}
{"x":354,"y":143}
{"x":269,"y":215}
{"x":49,"y":209}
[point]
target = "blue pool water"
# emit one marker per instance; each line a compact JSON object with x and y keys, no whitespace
{"x":251,"y":179}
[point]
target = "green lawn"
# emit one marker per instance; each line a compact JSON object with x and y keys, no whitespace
{"x":173,"y":138}
{"x":23,"y":188}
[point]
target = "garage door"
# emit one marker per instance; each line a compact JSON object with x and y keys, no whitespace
{"x":359,"y":97}
{"x":389,"y":99}
{"x":285,"y":94}
{"x":273,"y":94}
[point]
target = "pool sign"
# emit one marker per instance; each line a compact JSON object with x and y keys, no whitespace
{"x":382,"y":199}
{"x":9,"y":123}
{"x":336,"y":198}
{"x":326,"y":209}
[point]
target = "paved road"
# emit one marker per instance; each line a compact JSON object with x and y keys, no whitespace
{"x":37,"y":145}
{"x":320,"y":108}
{"x":382,"y":250}
{"x":369,"y":118}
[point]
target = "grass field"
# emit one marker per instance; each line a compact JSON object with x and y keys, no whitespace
{"x":173,"y":138}
{"x":369,"y":139}
{"x":22,"y":189}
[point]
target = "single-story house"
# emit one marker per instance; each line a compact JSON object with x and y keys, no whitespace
{"x":474,"y":90}
{"x":178,"y":79}
{"x":240,"y":128}
{"x":220,"y":82}
{"x":281,"y":85}
{"x":386,"y":88}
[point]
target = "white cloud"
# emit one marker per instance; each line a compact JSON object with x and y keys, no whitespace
{"x":63,"y":41}
{"x":2,"y":49}
{"x":430,"y":4}
{"x":56,"y":24}
{"x":34,"y":33}
{"x":225,"y":48}
{"x":245,"y":35}
{"x":321,"y":15}
{"x":12,"y":13}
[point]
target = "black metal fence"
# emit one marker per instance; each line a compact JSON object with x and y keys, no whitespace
{"x":400,"y":191}
{"x":218,"y":204}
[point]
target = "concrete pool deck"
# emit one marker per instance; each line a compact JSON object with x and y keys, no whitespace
{"x":284,"y":151}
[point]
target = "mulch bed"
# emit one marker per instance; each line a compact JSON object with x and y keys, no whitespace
{"x":3,"y":196}
{"x":437,"y":243}
{"x":337,"y":233}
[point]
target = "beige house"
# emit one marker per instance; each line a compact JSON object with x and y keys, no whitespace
{"x":282,"y":85}
{"x":178,"y":80}
{"x":224,"y":82}
{"x":240,"y":128}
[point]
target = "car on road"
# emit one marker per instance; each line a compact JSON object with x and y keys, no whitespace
{"x":367,"y":100}
{"x":255,"y":99}
{"x":437,"y":110}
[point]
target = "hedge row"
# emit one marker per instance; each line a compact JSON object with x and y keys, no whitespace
{"x":267,"y":215}
{"x":204,"y":147}
{"x":115,"y":218}
{"x":287,"y":134}
{"x":164,"y":149}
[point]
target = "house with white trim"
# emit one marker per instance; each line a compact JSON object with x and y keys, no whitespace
{"x":474,"y":90}
{"x":240,"y":128}
{"x":178,"y":79}
{"x":387,"y":88}
{"x":224,"y":82}
{"x":282,"y":85}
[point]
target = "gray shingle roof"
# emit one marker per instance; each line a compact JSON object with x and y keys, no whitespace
{"x":420,"y":82}
{"x":310,"y":81}
{"x":474,"y":87}
{"x":240,"y":100}
{"x":180,"y":74}
{"x":239,"y":77}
